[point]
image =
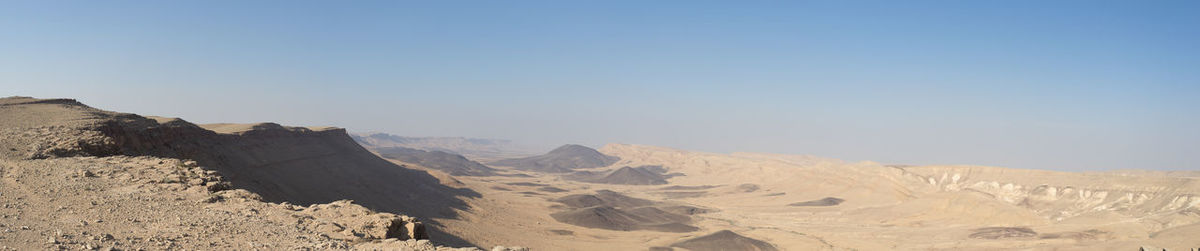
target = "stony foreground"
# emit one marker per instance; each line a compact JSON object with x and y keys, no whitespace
{"x":130,"y":203}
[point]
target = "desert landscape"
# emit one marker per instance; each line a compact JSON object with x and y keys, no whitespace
{"x":599,"y":125}
{"x":77,"y":177}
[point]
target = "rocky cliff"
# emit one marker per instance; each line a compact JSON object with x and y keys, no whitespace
{"x":301,"y":166}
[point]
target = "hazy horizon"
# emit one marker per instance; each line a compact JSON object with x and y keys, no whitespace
{"x":1072,"y":86}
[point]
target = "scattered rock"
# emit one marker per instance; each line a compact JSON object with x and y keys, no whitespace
{"x":220,"y":186}
{"x":240,"y":195}
{"x":1151,"y":248}
{"x":85,"y":173}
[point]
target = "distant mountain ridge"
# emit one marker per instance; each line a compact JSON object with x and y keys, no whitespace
{"x":384,"y":139}
{"x":474,"y":148}
{"x":450,"y":163}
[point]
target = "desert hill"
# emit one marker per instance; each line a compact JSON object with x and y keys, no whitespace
{"x":299,"y":166}
{"x":724,"y":240}
{"x":563,"y":159}
{"x":450,"y":163}
{"x":614,"y":211}
{"x":642,"y":175}
{"x":606,"y":198}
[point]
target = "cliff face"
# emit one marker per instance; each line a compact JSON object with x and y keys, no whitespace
{"x":1059,"y":196}
{"x":282,"y":164}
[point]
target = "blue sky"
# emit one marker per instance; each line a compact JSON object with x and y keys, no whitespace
{"x":1063,"y":85}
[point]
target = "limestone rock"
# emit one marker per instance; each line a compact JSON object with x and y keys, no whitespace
{"x":357,"y":222}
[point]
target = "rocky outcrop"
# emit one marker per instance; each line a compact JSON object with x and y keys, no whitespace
{"x":302,"y":166}
{"x":124,"y":202}
{"x":345,"y":220}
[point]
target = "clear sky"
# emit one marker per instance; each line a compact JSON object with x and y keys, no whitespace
{"x":1064,"y":85}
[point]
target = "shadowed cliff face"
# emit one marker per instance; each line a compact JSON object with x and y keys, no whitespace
{"x":283,"y":164}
